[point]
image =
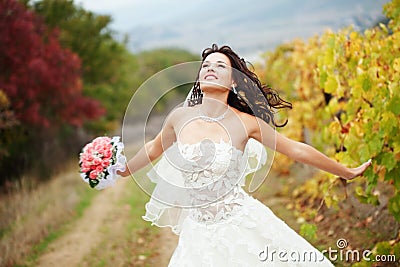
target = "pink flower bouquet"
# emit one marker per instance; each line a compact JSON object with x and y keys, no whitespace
{"x":100,"y":160}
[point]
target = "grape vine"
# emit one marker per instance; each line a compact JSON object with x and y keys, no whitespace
{"x":345,"y":91}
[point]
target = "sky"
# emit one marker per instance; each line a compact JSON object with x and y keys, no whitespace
{"x":249,"y":27}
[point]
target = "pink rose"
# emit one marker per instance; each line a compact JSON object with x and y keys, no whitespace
{"x":100,"y":138}
{"x":96,"y":161}
{"x":86,"y":147}
{"x":99,"y":169}
{"x":102,"y":141}
{"x":85,"y":165}
{"x":88,"y":157}
{"x":89,"y":149}
{"x":105,"y":163}
{"x":106,"y":150}
{"x":93,"y":174}
{"x":102,"y":151}
{"x":98,"y":147}
{"x":85,"y":169}
{"x":107,"y":154}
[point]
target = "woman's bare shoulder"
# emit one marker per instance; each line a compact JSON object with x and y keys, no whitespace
{"x":250,"y":121}
{"x":181,"y":112}
{"x":245,"y":117}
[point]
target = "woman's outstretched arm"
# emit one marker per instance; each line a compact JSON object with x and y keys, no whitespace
{"x":151,"y":150}
{"x":300,"y":152}
{"x":307,"y":154}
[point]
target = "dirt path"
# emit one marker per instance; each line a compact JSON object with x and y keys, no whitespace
{"x":168,"y":241}
{"x":103,"y":223}
{"x":75,"y":247}
{"x":85,"y":233}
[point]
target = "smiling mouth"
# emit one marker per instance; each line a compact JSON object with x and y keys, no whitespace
{"x":210,"y":76}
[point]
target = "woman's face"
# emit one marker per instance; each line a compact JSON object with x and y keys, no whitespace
{"x":216,"y":72}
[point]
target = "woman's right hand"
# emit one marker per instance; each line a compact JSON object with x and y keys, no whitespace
{"x":355,"y":172}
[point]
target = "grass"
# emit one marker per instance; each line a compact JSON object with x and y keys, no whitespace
{"x":34,"y":216}
{"x":38,"y":249}
{"x":85,"y":199}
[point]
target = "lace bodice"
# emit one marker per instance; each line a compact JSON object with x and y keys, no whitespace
{"x":202,"y":180}
{"x":210,"y":165}
{"x":213,"y":172}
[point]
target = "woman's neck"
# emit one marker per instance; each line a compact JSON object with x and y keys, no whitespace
{"x":214,"y":104}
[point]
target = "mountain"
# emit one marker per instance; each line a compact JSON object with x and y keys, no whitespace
{"x":250,"y":28}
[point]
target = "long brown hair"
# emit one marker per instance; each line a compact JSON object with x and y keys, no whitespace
{"x":252,"y":97}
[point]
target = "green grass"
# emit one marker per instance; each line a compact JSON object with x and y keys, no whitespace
{"x":39,"y":248}
{"x":86,"y":197}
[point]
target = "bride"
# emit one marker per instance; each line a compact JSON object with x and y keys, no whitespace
{"x":200,"y":176}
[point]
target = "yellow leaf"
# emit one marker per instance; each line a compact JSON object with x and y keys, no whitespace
{"x":396,"y":147}
{"x":331,"y":85}
{"x":334,"y":127}
{"x":396,"y":64}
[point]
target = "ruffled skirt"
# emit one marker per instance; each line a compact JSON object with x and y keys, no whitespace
{"x":252,"y":237}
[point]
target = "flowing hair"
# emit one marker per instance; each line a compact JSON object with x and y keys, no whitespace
{"x":252,"y":97}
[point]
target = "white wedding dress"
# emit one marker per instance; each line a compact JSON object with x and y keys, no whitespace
{"x":199,"y":194}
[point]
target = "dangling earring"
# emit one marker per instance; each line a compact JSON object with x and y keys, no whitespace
{"x":196,"y":96}
{"x":234,"y":89}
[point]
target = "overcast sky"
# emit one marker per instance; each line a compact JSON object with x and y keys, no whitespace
{"x":250,"y":27}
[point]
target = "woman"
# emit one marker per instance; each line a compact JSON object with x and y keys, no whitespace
{"x":201,"y":173}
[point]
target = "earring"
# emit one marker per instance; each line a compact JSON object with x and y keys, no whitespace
{"x":234,"y":89}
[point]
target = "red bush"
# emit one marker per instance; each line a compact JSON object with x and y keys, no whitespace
{"x":41,"y":79}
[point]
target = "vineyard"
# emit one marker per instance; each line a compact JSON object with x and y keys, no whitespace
{"x":65,"y":77}
{"x":345,"y":90}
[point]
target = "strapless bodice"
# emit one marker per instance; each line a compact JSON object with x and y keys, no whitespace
{"x":202,"y":180}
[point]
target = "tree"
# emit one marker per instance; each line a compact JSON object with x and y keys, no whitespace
{"x":41,"y":81}
{"x":107,"y":65}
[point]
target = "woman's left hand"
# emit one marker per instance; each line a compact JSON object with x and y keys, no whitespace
{"x":355,"y":172}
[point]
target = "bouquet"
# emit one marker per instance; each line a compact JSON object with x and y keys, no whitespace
{"x":100,"y":160}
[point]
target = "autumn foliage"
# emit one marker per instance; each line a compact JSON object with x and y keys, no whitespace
{"x":345,"y":91}
{"x":41,"y":79}
{"x":41,"y":90}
